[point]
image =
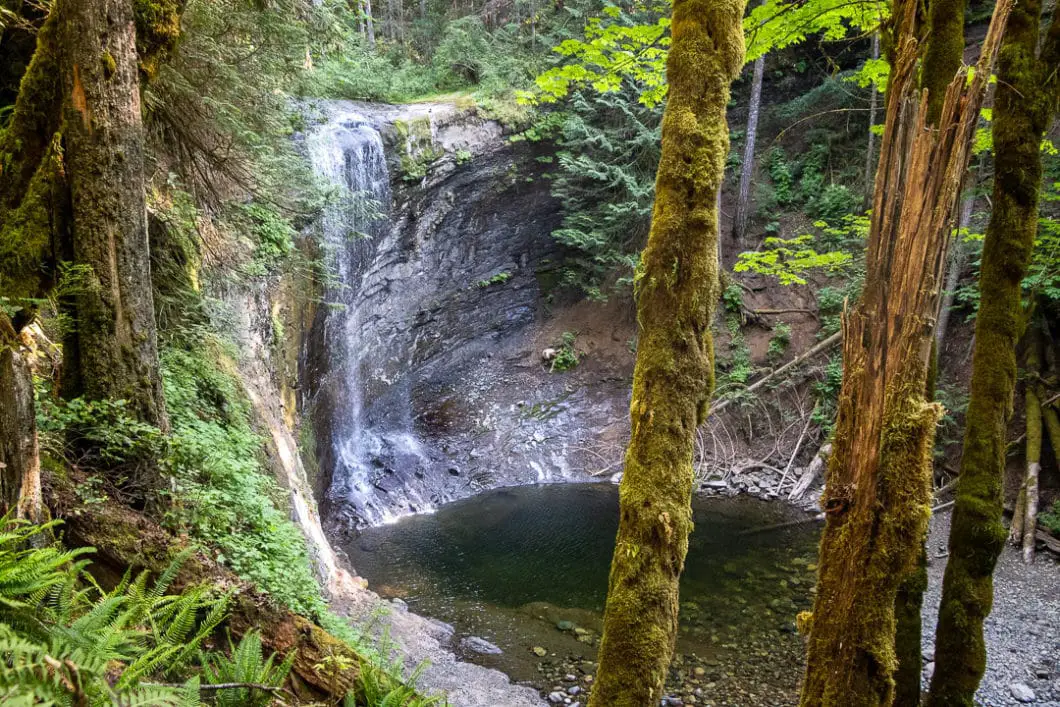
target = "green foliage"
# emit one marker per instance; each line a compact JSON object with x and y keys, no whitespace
{"x":97,"y":434}
{"x":778,"y":342}
{"x":734,"y":366}
{"x":378,"y":686}
{"x":566,"y":357}
{"x":789,"y":260}
{"x":954,"y":399}
{"x":219,"y":107}
{"x":619,"y":46}
{"x":605,"y":183}
{"x":616,"y":48}
{"x":66,"y":641}
{"x":221,"y":495}
{"x":498,"y":279}
{"x":826,"y":390}
{"x":1050,"y":520}
{"x":272,"y":233}
{"x":245,"y":664}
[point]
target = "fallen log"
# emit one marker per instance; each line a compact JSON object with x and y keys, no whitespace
{"x":816,"y":349}
{"x":124,"y":539}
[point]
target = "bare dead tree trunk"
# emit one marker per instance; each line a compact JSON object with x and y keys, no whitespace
{"x":958,"y":258}
{"x":743,"y":198}
{"x":870,"y":153}
{"x":369,"y":23}
{"x":878,"y":490}
{"x":1034,"y":443}
{"x":117,"y":346}
{"x":19,"y":454}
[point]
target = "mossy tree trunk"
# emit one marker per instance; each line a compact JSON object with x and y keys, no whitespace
{"x":677,"y":288}
{"x":878,"y":486}
{"x":1023,"y":108}
{"x":117,"y":348}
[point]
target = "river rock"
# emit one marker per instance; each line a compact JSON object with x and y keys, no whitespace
{"x":480,"y":646}
{"x":565,"y":625}
{"x":1021,"y":692}
{"x":556,"y":698}
{"x":539,"y":651}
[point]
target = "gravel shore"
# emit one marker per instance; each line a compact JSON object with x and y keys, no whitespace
{"x":1022,"y":632}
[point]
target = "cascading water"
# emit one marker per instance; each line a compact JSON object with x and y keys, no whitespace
{"x":348,"y":153}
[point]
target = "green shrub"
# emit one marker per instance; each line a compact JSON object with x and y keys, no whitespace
{"x":566,"y":355}
{"x":778,"y":343}
{"x":245,"y":664}
{"x":66,"y":641}
{"x":1050,"y":520}
{"x":221,"y":495}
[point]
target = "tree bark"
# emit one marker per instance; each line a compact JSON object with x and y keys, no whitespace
{"x":747,"y":170}
{"x":19,"y":453}
{"x":369,"y":23}
{"x":1022,"y":112}
{"x":1033,"y":457}
{"x":117,"y":347}
{"x":878,"y":488}
{"x":677,"y":287}
{"x":31,"y":193}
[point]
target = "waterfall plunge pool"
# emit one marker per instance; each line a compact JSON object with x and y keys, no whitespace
{"x":526,"y":569}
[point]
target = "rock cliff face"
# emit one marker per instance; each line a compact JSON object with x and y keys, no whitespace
{"x":426,"y":382}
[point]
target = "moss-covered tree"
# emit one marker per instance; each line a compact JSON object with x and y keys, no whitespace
{"x":1024,"y":106}
{"x":117,"y":345}
{"x":71,"y":189}
{"x":878,"y":486}
{"x":677,"y":287}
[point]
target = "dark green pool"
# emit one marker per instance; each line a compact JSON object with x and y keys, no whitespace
{"x":515,"y":564}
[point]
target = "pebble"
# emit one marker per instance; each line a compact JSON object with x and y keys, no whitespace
{"x":556,"y":698}
{"x":480,"y":645}
{"x":539,"y":651}
{"x":1021,"y":692}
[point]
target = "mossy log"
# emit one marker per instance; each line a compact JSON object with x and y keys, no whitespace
{"x":878,"y":491}
{"x":1024,"y":106}
{"x":125,"y":539}
{"x":677,"y":288}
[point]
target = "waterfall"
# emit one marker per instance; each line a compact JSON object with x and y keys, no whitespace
{"x":347,"y":152}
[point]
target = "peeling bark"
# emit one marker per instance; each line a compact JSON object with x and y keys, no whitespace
{"x":677,"y":288}
{"x":878,"y":491}
{"x":19,"y":453}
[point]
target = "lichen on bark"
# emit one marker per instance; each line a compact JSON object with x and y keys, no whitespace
{"x":677,"y":287}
